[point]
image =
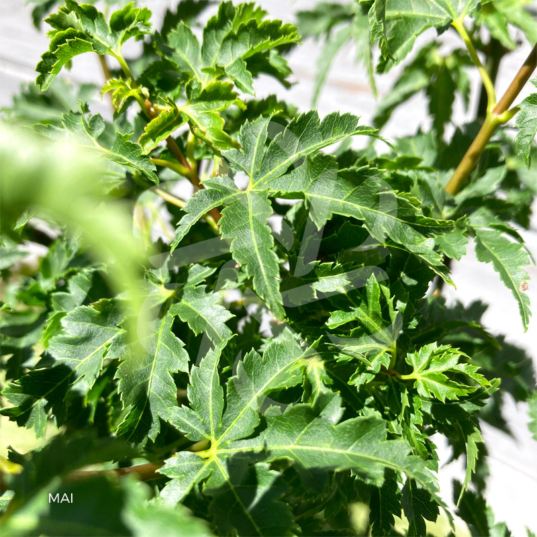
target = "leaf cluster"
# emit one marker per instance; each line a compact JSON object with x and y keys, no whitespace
{"x":270,"y":348}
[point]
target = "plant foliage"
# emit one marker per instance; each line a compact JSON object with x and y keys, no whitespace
{"x":270,"y":349}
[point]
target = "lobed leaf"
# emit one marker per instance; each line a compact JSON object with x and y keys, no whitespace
{"x":145,"y":380}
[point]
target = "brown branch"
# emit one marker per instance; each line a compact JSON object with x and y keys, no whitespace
{"x":493,"y":121}
{"x":520,"y":80}
{"x":144,"y":472}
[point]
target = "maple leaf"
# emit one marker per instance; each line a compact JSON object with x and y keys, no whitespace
{"x":77,"y":355}
{"x":311,"y":440}
{"x":430,"y":367}
{"x":81,"y":28}
{"x":246,"y":212}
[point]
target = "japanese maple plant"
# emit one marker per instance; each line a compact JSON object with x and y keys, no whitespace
{"x":219,"y":317}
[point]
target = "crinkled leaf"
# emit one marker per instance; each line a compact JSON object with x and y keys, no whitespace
{"x":80,"y":28}
{"x":145,"y":380}
{"x":77,"y":355}
{"x":431,"y":364}
{"x":508,"y":259}
{"x":404,"y":20}
{"x":88,"y":132}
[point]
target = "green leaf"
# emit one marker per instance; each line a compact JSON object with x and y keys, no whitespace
{"x":250,"y":38}
{"x":146,"y":384}
{"x":122,"y":92}
{"x":253,"y":505}
{"x":411,"y":82}
{"x":526,"y":121}
{"x":405,"y":20}
{"x":385,"y":504}
{"x":323,"y":280}
{"x":302,"y":137}
{"x":204,"y":314}
{"x":281,"y":366}
{"x":301,"y":435}
{"x":430,"y":365}
{"x":361,"y":194}
{"x":159,"y":128}
{"x":418,"y":506}
{"x":499,"y":15}
{"x":246,"y":213}
{"x":77,"y":355}
{"x":326,"y":59}
{"x":90,"y":133}
{"x":338,"y":24}
{"x":474,"y":510}
{"x":230,"y":39}
{"x":483,"y":186}
{"x":244,"y":222}
{"x":202,"y":114}
{"x":374,"y":341}
{"x":314,"y":442}
{"x":80,"y":28}
{"x":508,"y":259}
{"x":185,"y":50}
{"x":472,"y":454}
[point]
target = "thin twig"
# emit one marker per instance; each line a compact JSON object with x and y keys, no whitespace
{"x":520,"y":80}
{"x":487,"y":82}
{"x":170,"y":198}
{"x":105,"y":69}
{"x":144,"y":472}
{"x":175,"y":166}
{"x":499,"y":115}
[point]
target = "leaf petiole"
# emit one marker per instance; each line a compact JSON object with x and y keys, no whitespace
{"x":487,"y":82}
{"x":175,"y":166}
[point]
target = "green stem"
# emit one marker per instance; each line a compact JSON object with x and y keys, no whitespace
{"x":410,"y":376}
{"x":170,"y":198}
{"x":126,"y":69}
{"x":495,"y":52}
{"x":487,"y":82}
{"x":178,"y":202}
{"x":175,"y":166}
{"x":202,"y":445}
